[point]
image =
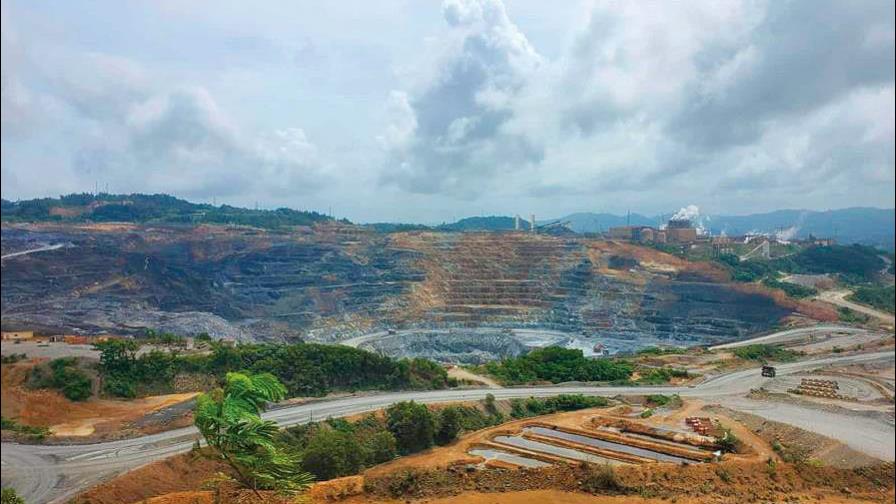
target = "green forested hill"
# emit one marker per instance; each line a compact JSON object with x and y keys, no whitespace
{"x":140,"y":208}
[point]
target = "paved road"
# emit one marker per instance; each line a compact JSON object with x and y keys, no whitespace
{"x":44,"y":473}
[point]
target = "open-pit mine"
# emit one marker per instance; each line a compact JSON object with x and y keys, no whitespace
{"x":463,"y":297}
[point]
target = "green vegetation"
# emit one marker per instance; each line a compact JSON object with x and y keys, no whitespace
{"x":880,"y":297}
{"x":306,"y":369}
{"x":657,"y":376}
{"x":167,"y":339}
{"x":127,"y":374}
{"x":791,"y":289}
{"x":729,"y":442}
{"x":491,"y":223}
{"x":337,"y":447}
{"x":413,"y":426}
{"x":63,"y":375}
{"x":230,"y":421}
{"x":29,"y":431}
{"x":12,"y":358}
{"x":853,"y":263}
{"x":556,"y":365}
{"x":851,"y":316}
{"x":654,"y":350}
{"x":533,"y":406}
{"x":9,"y":496}
{"x":747,"y":271}
{"x":151,"y":208}
{"x":660,"y":400}
{"x":764,"y":352}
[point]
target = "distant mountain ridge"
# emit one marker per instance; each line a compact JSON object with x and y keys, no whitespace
{"x":868,"y":226}
{"x":149,"y":208}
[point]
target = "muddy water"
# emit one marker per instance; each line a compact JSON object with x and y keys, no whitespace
{"x":608,"y":445}
{"x":569,"y":453}
{"x":508,"y":457}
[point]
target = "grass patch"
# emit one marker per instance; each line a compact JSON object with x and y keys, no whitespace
{"x":34,"y":433}
{"x":764,"y":352}
{"x":851,"y":316}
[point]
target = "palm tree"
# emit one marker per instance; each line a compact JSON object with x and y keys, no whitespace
{"x":230,"y":421}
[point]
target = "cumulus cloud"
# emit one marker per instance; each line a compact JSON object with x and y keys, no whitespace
{"x":126,"y":128}
{"x":182,"y":141}
{"x":451,"y":133}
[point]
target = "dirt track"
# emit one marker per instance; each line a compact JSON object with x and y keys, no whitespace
{"x":838,"y":297}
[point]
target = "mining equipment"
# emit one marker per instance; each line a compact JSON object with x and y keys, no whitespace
{"x":768,"y":371}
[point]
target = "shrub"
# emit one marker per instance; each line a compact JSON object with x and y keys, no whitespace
{"x":62,"y":375}
{"x":12,"y":358}
{"x":600,"y":478}
{"x":35,"y":433}
{"x":331,"y":453}
{"x":9,"y":496}
{"x":659,"y":399}
{"x":405,"y":483}
{"x":449,"y":425}
{"x":380,"y":447}
{"x":412,"y":425}
{"x":729,"y":442}
{"x":120,"y":386}
{"x":763,"y":352}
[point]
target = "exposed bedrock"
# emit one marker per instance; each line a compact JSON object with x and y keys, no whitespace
{"x":332,"y":284}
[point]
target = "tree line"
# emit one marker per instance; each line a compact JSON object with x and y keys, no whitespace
{"x":305,"y":369}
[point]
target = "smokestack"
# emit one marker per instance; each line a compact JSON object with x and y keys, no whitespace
{"x":532,"y":229}
{"x":516,"y":222}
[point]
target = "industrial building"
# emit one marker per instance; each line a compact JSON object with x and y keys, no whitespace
{"x":676,"y":231}
{"x":17,"y":335}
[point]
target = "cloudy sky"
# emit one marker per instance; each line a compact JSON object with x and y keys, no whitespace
{"x":420,"y":111}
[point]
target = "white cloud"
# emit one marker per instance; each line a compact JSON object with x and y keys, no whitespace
{"x":741,"y":105}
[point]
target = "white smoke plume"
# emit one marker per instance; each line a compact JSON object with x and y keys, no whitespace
{"x":786,"y":235}
{"x":691,"y":213}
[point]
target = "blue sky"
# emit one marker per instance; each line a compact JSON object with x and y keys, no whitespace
{"x":427,"y":111}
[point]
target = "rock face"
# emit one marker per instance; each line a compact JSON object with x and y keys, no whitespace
{"x":339,"y":282}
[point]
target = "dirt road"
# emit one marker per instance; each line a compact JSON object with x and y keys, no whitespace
{"x":32,"y":251}
{"x":838,"y":297}
{"x":794,"y":335}
{"x":462,"y":374}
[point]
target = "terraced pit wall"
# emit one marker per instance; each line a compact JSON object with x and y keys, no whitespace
{"x":337,"y":282}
